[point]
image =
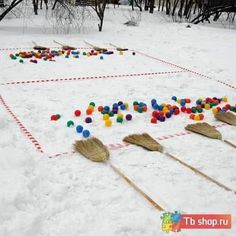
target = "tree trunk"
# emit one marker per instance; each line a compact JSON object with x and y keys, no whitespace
{"x":13,"y":5}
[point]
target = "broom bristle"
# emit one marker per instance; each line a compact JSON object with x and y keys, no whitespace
{"x":204,"y":129}
{"x":92,"y":149}
{"x":226,"y":117}
{"x":144,"y":140}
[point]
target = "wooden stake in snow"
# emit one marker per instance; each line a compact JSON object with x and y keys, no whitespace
{"x":95,"y":150}
{"x":147,"y":142}
{"x":207,"y":130}
{"x":37,"y":47}
{"x":101,"y":50}
{"x":226,"y":117}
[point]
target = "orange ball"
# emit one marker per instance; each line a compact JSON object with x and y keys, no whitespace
{"x":89,"y":111}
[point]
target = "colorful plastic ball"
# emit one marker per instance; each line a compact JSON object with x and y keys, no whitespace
{"x":115,"y":111}
{"x":192,"y":116}
{"x":135,"y":103}
{"x":183,"y":109}
{"x":70,"y":123}
{"x":106,"y":117}
{"x":153,"y":101}
{"x":77,"y":112}
{"x":100,"y":108}
{"x":92,"y":104}
{"x":176,"y":111}
{"x":155,"y":106}
{"x":140,"y":109}
{"x":188,"y":110}
{"x":145,"y":108}
{"x":21,"y":61}
{"x":54,"y":117}
{"x":106,"y":108}
{"x":194,"y":109}
{"x":224,"y":99}
{"x":128,"y":117}
{"x":122,"y":107}
{"x":86,"y":133}
{"x":58,"y":116}
{"x":201,"y":116}
{"x":119,"y":119}
{"x":79,"y":128}
{"x":162,"y":118}
{"x":120,"y":115}
{"x":120,"y":103}
{"x":197,"y":117}
{"x":153,"y":120}
{"x":182,"y":103}
{"x":168,"y":115}
{"x":101,"y":58}
{"x":214,"y":110}
{"x":188,"y":100}
{"x":136,"y":107}
{"x":207,"y":106}
{"x":133,"y":53}
{"x":126,"y":105}
{"x":179,"y":100}
{"x":108,"y":123}
{"x":84,"y":53}
{"x":88,"y":120}
{"x":174,"y":98}
{"x":89,"y":111}
{"x":111,"y":114}
{"x":67,"y":56}
{"x":115,"y":105}
{"x":155,"y":113}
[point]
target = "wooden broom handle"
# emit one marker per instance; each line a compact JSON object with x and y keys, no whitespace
{"x":198,"y":172}
{"x":132,"y":184}
{"x":229,"y":143}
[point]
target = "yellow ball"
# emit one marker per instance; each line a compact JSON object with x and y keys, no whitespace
{"x":126,"y":105}
{"x":106,"y":117}
{"x":214,"y":110}
{"x":225,"y":99}
{"x":163,"y":104}
{"x":196,"y":117}
{"x":165,"y":109}
{"x":108,"y":123}
{"x":207,"y":106}
{"x":120,"y":115}
{"x":178,"y":100}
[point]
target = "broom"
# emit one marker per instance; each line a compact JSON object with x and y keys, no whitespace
{"x":96,"y":48}
{"x":119,"y":48}
{"x":65,"y":47}
{"x":37,"y":47}
{"x":226,"y":117}
{"x":207,"y":130}
{"x":95,"y":150}
{"x":146,"y":141}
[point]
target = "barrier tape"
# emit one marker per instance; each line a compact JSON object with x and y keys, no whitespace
{"x":116,"y":146}
{"x":22,"y":127}
{"x":91,"y":77}
{"x":186,"y":69}
{"x":31,"y":48}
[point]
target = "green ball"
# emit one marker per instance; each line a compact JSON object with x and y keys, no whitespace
{"x":135,"y":103}
{"x":70,"y":123}
{"x":17,"y":54}
{"x":21,"y":61}
{"x":200,"y":110}
{"x":45,"y":59}
{"x":92,"y":104}
{"x":119,"y":120}
{"x":13,"y":57}
{"x":111,"y":114}
{"x":104,"y":112}
{"x":194,"y":110}
{"x":140,"y":109}
{"x":59,"y":116}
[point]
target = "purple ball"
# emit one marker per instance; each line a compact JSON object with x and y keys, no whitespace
{"x":88,"y":120}
{"x":162,"y":118}
{"x":128,"y":117}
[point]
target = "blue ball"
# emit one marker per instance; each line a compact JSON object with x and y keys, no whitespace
{"x":106,"y":108}
{"x":155,"y":106}
{"x":182,"y":103}
{"x":122,"y":107}
{"x":168,"y":115}
{"x":160,"y":108}
{"x":101,"y":58}
{"x":86,"y":133}
{"x":174,"y":98}
{"x":115,"y":105}
{"x":79,"y":128}
{"x":120,"y":103}
{"x":153,"y":101}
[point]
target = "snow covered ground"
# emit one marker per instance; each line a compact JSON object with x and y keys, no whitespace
{"x":70,"y":195}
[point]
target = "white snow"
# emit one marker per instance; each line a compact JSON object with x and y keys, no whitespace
{"x":70,"y":195}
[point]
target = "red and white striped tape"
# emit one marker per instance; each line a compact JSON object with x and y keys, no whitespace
{"x":31,"y":48}
{"x":22,"y":127}
{"x":91,"y":77}
{"x":116,"y":146}
{"x":186,"y":69}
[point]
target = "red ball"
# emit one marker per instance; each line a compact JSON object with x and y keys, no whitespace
{"x":188,"y":110}
{"x":54,"y":117}
{"x":100,"y":108}
{"x":155,"y":113}
{"x":154,"y":120}
{"x":192,"y":116}
{"x":89,"y":111}
{"x":201,"y":116}
{"x":227,"y":106}
{"x":176,"y":111}
{"x":77,"y":112}
{"x":183,"y":109}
